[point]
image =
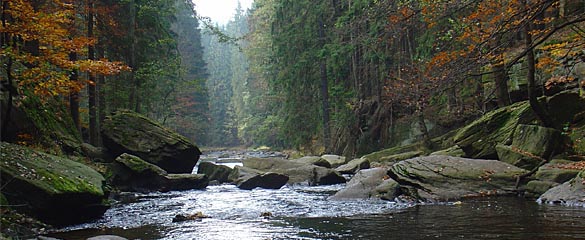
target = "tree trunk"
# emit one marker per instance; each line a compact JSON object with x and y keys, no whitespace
{"x":91,"y":85}
{"x":74,"y":96}
{"x":324,"y":91}
{"x":538,"y":109}
{"x":426,"y":138}
{"x":101,"y":93}
{"x":501,"y":83}
{"x":133,"y":98}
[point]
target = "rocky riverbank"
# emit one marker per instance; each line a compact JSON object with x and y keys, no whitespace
{"x":506,"y":152}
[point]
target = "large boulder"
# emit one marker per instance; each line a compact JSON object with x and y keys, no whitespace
{"x":54,"y":189}
{"x":570,"y":193}
{"x":129,"y":132}
{"x":362,"y":184}
{"x":531,"y":145}
{"x":248,"y":179}
{"x":131,"y":173}
{"x":479,"y":138}
{"x":214,"y":172}
{"x":297,"y":172}
{"x":445,"y":178}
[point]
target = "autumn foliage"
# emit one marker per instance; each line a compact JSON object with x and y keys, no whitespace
{"x":38,"y":38}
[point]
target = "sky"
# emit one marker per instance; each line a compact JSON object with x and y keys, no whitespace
{"x":220,"y":11}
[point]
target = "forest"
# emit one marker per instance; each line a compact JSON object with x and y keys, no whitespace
{"x":105,"y":104}
{"x":339,"y":76}
{"x":350,"y":77}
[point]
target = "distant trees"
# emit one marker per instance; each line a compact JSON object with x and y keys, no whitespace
{"x":339,"y":74}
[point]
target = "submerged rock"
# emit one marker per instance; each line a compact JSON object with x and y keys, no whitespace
{"x":129,"y":132}
{"x":54,"y":189}
{"x":445,"y":178}
{"x":570,"y":193}
{"x":107,"y":237}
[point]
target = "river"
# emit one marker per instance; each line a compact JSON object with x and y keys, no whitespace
{"x":304,"y":212}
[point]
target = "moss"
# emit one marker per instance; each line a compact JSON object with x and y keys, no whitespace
{"x":478,"y":139}
{"x":53,"y":174}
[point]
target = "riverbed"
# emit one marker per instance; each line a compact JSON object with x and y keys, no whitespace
{"x":304,"y":212}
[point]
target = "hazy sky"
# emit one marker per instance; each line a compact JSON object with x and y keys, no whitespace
{"x":220,"y":11}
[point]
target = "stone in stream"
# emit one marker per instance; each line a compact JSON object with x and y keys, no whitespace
{"x":54,"y":189}
{"x":317,"y":161}
{"x":446,"y":178}
{"x":570,"y":193}
{"x":131,"y":173}
{"x":354,"y":165}
{"x":132,"y":133}
{"x":248,"y":179}
{"x":213,"y":171}
{"x":362,"y":184}
{"x":297,"y":172}
{"x":334,"y":160}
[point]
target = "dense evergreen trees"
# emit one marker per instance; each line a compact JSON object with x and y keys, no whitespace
{"x":337,"y":76}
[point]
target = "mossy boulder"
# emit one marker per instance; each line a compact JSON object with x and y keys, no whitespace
{"x":41,"y":122}
{"x":446,"y":178}
{"x":570,"y":193}
{"x":376,"y":156}
{"x":454,"y":151}
{"x":531,"y":145}
{"x":131,"y":173}
{"x":248,"y":179}
{"x":129,"y":132}
{"x":535,"y":188}
{"x":554,"y":172}
{"x":401,"y":156}
{"x":479,"y":138}
{"x":54,"y":189}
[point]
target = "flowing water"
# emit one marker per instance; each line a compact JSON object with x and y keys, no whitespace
{"x":304,"y":212}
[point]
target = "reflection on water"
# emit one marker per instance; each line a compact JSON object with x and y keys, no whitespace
{"x":303,"y":212}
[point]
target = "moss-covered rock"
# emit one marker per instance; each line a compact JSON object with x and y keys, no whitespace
{"x":479,"y":139}
{"x":401,"y":156}
{"x":517,"y":157}
{"x":55,"y":189}
{"x":42,"y":123}
{"x":535,"y":188}
{"x":376,"y":156}
{"x":444,"y":178}
{"x":554,"y":172}
{"x":315,"y":160}
{"x":129,"y":132}
{"x":454,"y":151}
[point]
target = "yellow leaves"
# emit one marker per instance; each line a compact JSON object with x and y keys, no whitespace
{"x":51,"y":28}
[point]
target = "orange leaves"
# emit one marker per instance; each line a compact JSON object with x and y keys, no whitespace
{"x":43,"y":38}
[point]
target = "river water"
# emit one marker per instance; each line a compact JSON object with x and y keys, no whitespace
{"x":304,"y":212}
